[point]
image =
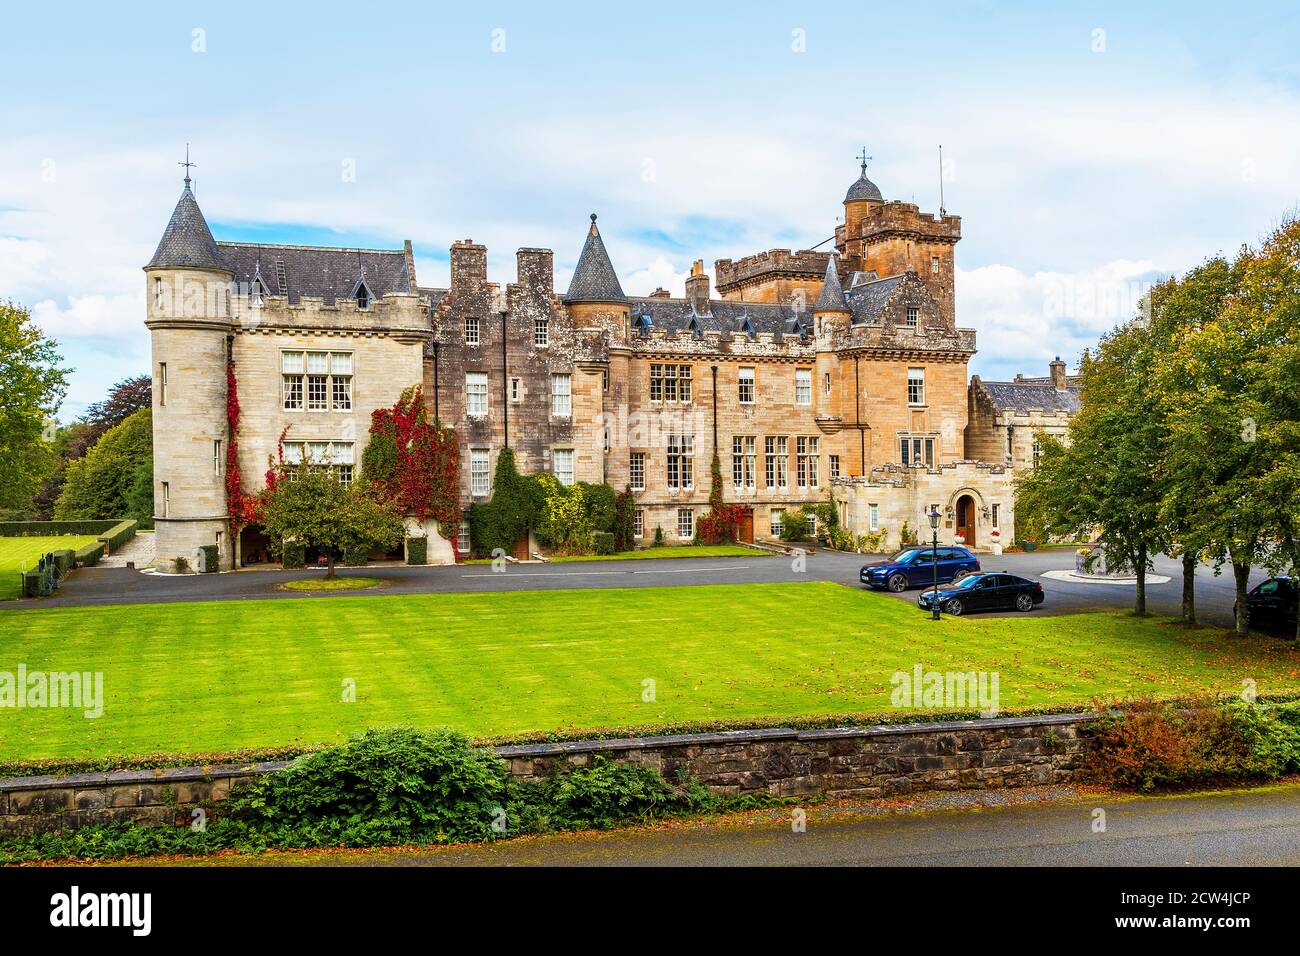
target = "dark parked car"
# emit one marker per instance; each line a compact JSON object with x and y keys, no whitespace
{"x":914,"y":568}
{"x":1273,"y":604}
{"x":984,"y":592}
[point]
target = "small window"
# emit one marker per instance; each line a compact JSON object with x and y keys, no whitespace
{"x":166,"y":498}
{"x":462,"y":538}
{"x":913,"y":316}
{"x":746,"y":391}
{"x":563,"y":465}
{"x":216,"y":456}
{"x":685,"y":524}
{"x":636,"y":471}
{"x":803,"y":386}
{"x":604,"y":380}
{"x":934,"y":265}
{"x":874,"y":517}
{"x":774,"y":522}
{"x":916,"y":386}
{"x":476,"y":394}
{"x":515,"y":390}
{"x":480,"y":484}
{"x":826,"y":383}
{"x":162,"y":383}
{"x":561,"y":395}
{"x":638,"y":523}
{"x":835,"y":466}
{"x":471,"y":331}
{"x":541,"y":332}
{"x":219,"y":538}
{"x":995,"y":514}
{"x":158,"y":294}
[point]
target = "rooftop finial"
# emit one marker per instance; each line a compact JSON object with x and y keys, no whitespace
{"x":187,"y":164}
{"x":863,"y":159}
{"x":593,"y":218}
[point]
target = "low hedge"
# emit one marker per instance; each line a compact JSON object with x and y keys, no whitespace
{"x":65,"y":559}
{"x":602,"y":542}
{"x":356,"y":557}
{"x":29,"y":529}
{"x":295,"y":555}
{"x":417,"y":550}
{"x":119,"y":534}
{"x":88,"y":555}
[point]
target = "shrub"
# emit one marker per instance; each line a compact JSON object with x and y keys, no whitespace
{"x":295,"y":554}
{"x":356,"y":556}
{"x":1148,"y":745}
{"x":659,"y":536}
{"x":211,"y":557}
{"x":721,"y":524}
{"x":514,"y":508}
{"x":104,"y":482}
{"x":601,"y":506}
{"x":624,"y":520}
{"x":794,"y":525}
{"x":602,"y":542}
{"x":417,"y":550}
{"x":21,"y":529}
{"x":65,"y":559}
{"x":562,"y":522}
{"x":88,"y":554}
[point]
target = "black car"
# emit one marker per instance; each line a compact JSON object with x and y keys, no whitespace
{"x":1273,"y":604}
{"x":984,"y":592}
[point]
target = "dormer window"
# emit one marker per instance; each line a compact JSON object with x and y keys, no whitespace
{"x":913,"y":316}
{"x":362,"y":294}
{"x":697,"y":329}
{"x":643,"y":323}
{"x":748,"y":328}
{"x":257,"y":292}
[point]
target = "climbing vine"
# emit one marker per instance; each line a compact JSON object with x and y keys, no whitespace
{"x":411,"y":463}
{"x":244,"y":509}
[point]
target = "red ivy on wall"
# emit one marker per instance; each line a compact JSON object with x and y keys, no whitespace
{"x":721,"y":524}
{"x":244,"y":509}
{"x":412,"y":463}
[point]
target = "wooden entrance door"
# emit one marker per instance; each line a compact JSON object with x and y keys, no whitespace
{"x":521,"y":547}
{"x":966,"y":519}
{"x":746,"y":530}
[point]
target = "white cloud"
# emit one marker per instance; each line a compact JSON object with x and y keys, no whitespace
{"x":659,"y":274}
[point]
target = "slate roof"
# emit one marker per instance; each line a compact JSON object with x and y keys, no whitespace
{"x":868,"y":299}
{"x":1021,"y":397}
{"x":832,"y":294}
{"x":329,"y":273}
{"x":187,"y":241}
{"x":594,"y":279}
{"x":864,"y":188}
{"x":723,"y":316}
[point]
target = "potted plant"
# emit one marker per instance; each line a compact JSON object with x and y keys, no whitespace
{"x":1029,"y":544}
{"x":995,"y":540}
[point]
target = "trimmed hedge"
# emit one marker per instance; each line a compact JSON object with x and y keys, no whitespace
{"x":211,"y":558}
{"x":602,"y":542}
{"x":119,"y":534}
{"x":295,"y":555}
{"x":30,"y":529}
{"x":88,"y":555}
{"x":417,"y":550}
{"x":65,"y":559}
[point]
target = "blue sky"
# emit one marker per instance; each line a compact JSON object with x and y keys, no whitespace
{"x":1091,"y":147}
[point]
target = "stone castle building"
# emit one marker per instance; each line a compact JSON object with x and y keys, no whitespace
{"x":806,"y":372}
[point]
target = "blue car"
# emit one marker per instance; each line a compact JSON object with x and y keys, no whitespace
{"x":914,"y":568}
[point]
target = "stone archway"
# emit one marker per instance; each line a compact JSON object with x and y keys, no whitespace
{"x":965,"y":522}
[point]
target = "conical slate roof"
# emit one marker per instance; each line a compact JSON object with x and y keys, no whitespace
{"x":187,"y":242}
{"x":594,"y":279}
{"x":832,"y":294}
{"x":864,"y":188}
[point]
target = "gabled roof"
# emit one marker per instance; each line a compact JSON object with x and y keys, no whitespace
{"x":1022,"y":397}
{"x":724,"y":315}
{"x":187,"y":241}
{"x":868,"y":299}
{"x":594,"y":280}
{"x":319,"y":271}
{"x":831,"y":298}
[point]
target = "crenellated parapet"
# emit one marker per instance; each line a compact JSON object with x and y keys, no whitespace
{"x":398,"y":315}
{"x":717,"y":344}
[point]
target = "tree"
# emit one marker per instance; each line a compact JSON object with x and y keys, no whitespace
{"x":33,"y":383}
{"x":1104,"y":478}
{"x":115,"y":478}
{"x":123,"y":400}
{"x":313,"y":508}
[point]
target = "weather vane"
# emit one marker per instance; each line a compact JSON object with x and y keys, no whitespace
{"x":864,"y":158}
{"x":188,"y":165}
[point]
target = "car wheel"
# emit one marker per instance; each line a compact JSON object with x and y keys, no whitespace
{"x":954,"y":607}
{"x":960,"y":574}
{"x":898,"y":583}
{"x":1024,"y":602}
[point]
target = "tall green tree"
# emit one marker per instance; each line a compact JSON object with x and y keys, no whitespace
{"x":115,"y":478}
{"x":33,"y":382}
{"x":315,"y":509}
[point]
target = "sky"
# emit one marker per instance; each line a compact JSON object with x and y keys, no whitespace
{"x":1090,"y":148}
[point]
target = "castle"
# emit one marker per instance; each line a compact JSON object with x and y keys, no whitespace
{"x":805,"y":371}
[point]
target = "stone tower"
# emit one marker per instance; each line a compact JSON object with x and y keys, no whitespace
{"x":189,"y":318}
{"x":891,"y":238}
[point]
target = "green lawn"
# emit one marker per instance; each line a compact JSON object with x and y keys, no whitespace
{"x":15,"y":552}
{"x":206,"y":677}
{"x":664,"y":551}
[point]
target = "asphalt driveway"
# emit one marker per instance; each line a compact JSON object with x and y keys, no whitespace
{"x":101,"y":586}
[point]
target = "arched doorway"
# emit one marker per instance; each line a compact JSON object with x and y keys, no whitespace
{"x":966,"y":519}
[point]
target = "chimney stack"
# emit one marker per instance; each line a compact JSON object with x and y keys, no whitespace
{"x":697,"y":287}
{"x":1058,"y":374}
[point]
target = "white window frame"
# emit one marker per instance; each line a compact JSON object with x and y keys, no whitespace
{"x":873,"y":521}
{"x":561,"y":395}
{"x":774,"y":521}
{"x":934,"y":265}
{"x":834,"y":467}
{"x":685,"y":524}
{"x":480,"y":472}
{"x":638,"y":523}
{"x":162,"y":382}
{"x":636,"y":471}
{"x":216,"y":456}
{"x":476,"y":394}
{"x":332,"y":382}
{"x":472,"y":330}
{"x":565,"y":455}
{"x":681,"y":462}
{"x":913,"y":316}
{"x":541,"y":332}
{"x":746,"y":382}
{"x":803,"y":386}
{"x":826,"y":382}
{"x":916,"y":387}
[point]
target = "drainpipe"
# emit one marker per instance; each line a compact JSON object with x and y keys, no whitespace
{"x":857,"y":418}
{"x":714,"y":369}
{"x":505,"y":385}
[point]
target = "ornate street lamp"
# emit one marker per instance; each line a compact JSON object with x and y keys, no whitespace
{"x":934,"y":517}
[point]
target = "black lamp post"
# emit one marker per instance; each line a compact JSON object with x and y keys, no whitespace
{"x":934,"y":517}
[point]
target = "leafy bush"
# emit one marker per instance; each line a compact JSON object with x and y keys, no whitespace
{"x":562,"y":523}
{"x":103,"y":483}
{"x":384,"y":788}
{"x":624,"y":520}
{"x":659,"y":536}
{"x":211,"y":557}
{"x":1148,"y":745}
{"x":601,"y":505}
{"x":602,"y":542}
{"x":514,"y":508}
{"x":294,"y":554}
{"x":356,"y":556}
{"x":794,"y":525}
{"x":721,"y":525}
{"x":417,"y":550}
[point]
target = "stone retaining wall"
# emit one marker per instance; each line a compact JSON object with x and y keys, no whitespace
{"x":879,"y":761}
